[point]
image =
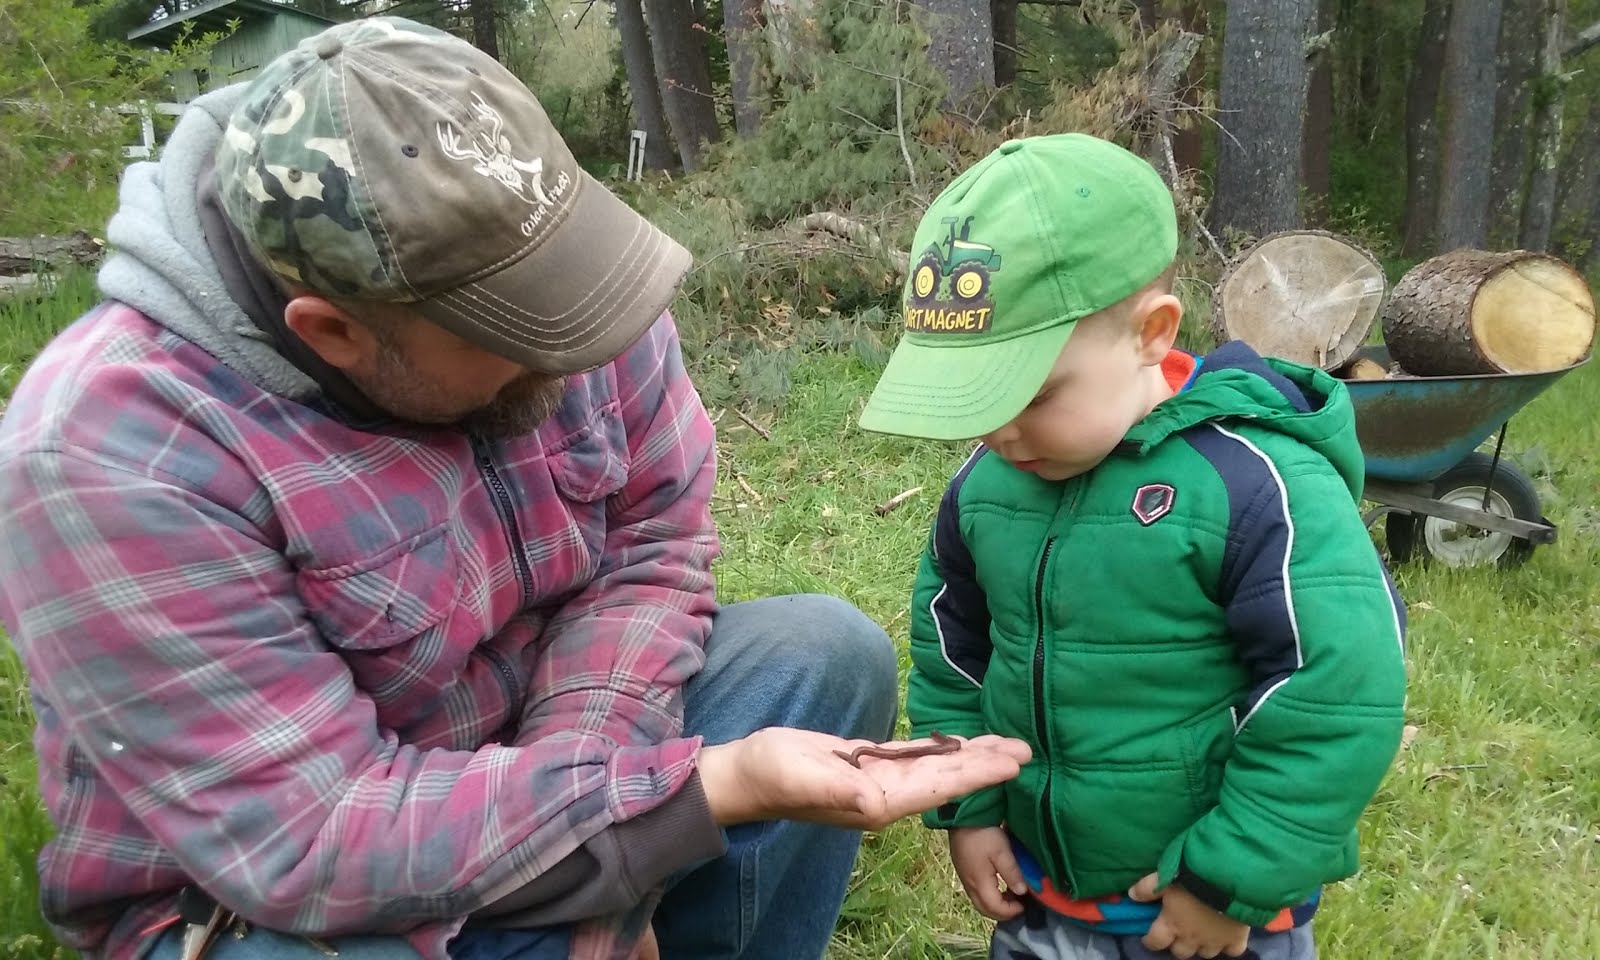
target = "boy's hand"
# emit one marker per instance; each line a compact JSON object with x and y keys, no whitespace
{"x":980,"y":855}
{"x":1188,"y":928}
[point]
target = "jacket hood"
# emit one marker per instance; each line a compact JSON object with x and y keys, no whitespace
{"x":1236,"y":383}
{"x":162,"y":265}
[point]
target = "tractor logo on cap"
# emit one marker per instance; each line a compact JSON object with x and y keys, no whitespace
{"x":950,"y":284}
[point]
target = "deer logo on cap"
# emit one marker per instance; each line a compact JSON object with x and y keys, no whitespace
{"x":492,"y":157}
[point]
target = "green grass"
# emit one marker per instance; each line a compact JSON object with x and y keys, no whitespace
{"x":1484,"y":842}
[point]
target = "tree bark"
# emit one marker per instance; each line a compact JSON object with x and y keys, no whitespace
{"x":1538,"y":210}
{"x":1469,"y":73}
{"x":1264,"y":80}
{"x":742,"y":27}
{"x":677,"y":40}
{"x":961,"y":48}
{"x":1521,"y":28}
{"x":643,"y":88}
{"x":1422,"y":132}
{"x":1317,"y":144}
{"x":485,"y":36}
{"x":1003,"y":13}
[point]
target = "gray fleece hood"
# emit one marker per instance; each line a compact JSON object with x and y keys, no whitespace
{"x":162,"y":265}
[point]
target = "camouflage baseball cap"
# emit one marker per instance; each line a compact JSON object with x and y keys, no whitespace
{"x":385,"y":160}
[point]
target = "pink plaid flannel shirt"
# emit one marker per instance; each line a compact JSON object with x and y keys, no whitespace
{"x":343,"y":680}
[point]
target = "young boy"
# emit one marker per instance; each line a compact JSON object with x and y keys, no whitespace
{"x":1152,"y":569}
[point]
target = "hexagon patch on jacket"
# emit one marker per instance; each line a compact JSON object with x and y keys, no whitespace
{"x":1153,"y":501}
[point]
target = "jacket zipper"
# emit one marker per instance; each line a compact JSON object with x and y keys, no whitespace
{"x":508,"y":516}
{"x":508,"y":683}
{"x":1047,"y":824}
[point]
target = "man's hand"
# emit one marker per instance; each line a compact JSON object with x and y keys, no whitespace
{"x":782,"y":773}
{"x":980,"y":855}
{"x":1188,"y":928}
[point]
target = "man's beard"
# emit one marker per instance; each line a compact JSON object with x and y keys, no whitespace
{"x":517,"y":410}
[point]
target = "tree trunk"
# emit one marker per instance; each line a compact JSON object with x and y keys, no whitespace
{"x":1468,"y":127}
{"x":1317,"y":146}
{"x":1521,"y":27}
{"x":1469,"y":312}
{"x":643,"y":87}
{"x":677,"y":40}
{"x":1578,"y":199}
{"x":743,"y":29}
{"x":961,"y":48}
{"x":1003,"y":13}
{"x":1188,"y":146}
{"x":1538,"y":211}
{"x":484,"y":35}
{"x":1422,"y":132}
{"x":1264,"y":80}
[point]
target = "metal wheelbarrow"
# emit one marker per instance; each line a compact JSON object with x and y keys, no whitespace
{"x":1435,"y":490}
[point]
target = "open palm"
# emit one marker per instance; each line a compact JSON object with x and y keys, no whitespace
{"x":796,"y":774}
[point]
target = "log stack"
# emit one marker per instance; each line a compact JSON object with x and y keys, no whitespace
{"x":1313,"y":298}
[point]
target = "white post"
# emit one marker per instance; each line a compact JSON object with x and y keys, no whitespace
{"x":636,"y":141}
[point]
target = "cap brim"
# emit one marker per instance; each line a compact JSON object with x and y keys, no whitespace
{"x":601,"y":279}
{"x":961,"y":392}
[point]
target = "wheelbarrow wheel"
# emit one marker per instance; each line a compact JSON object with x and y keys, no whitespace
{"x":1458,"y":545}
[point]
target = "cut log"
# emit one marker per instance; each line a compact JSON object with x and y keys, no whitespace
{"x":23,"y":255}
{"x":1303,"y":295}
{"x":1472,"y":311}
{"x":1363,"y":368}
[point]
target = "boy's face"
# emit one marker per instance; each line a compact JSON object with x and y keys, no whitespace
{"x":1106,"y":380}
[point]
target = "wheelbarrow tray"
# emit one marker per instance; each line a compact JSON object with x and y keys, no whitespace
{"x":1413,"y":429}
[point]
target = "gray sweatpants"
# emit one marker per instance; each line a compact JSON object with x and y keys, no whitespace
{"x":1039,"y":934}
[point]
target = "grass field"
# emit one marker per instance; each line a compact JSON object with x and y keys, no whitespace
{"x":1484,"y":842}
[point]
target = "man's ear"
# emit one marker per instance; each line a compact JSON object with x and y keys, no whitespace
{"x":1158,"y":327}
{"x":332,"y":333}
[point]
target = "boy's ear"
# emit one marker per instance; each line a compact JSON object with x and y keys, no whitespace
{"x":1158,"y":327}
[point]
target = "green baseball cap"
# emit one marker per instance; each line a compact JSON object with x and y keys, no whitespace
{"x":385,"y":160}
{"x":1010,"y":255}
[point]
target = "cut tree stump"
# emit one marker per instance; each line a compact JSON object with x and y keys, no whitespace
{"x":1303,"y":295}
{"x":1473,"y":311}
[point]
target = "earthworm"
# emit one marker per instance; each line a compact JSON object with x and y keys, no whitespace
{"x":940,"y":744}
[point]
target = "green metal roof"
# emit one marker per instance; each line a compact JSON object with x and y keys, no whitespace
{"x":214,"y":15}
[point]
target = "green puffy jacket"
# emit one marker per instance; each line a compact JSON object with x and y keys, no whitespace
{"x":1197,"y":638}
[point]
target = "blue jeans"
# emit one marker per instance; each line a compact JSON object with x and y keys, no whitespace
{"x":809,"y":661}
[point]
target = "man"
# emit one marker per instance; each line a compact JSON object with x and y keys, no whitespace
{"x":358,"y":548}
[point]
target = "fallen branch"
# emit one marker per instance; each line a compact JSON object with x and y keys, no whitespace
{"x":745,"y":486}
{"x":883,"y":508}
{"x":758,"y":428}
{"x":856,"y":232}
{"x":1587,"y":37}
{"x":27,"y":255}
